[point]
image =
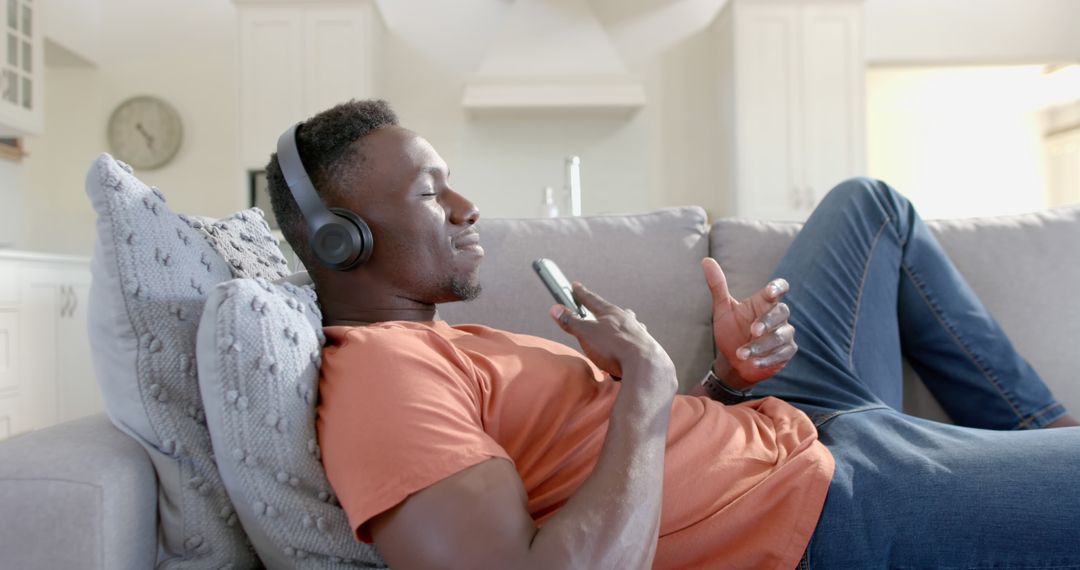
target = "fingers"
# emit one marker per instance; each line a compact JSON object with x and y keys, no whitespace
{"x":768,"y":296}
{"x":772,"y":319}
{"x":714,"y":277}
{"x":564,"y":317}
{"x":781,"y":356}
{"x":592,"y":301}
{"x":766,"y":345}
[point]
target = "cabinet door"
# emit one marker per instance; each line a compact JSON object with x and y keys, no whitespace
{"x":56,"y":373}
{"x":9,"y":372}
{"x":1063,"y":169}
{"x":271,"y":78}
{"x":78,"y":394}
{"x":21,"y":73}
{"x":40,"y":304}
{"x":833,"y":106}
{"x":768,"y":138}
{"x":338,"y":55}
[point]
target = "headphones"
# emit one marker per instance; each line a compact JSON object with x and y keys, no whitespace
{"x":338,"y":238}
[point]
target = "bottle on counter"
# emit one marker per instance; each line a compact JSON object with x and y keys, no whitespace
{"x":572,"y":184}
{"x":548,"y":208}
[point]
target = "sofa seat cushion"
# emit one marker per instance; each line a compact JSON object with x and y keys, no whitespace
{"x":1024,"y":257}
{"x":152,"y":270}
{"x":259,"y":349}
{"x":646,"y":262}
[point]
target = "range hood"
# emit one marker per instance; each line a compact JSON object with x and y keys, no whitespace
{"x":552,"y":54}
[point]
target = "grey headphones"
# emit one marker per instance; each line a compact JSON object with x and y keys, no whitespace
{"x":338,"y":238}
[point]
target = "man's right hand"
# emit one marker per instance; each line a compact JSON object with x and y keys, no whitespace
{"x":616,"y":341}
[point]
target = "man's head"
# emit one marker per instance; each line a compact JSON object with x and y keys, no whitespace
{"x":425,"y":247}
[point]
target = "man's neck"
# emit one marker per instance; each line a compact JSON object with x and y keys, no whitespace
{"x":366,"y":316}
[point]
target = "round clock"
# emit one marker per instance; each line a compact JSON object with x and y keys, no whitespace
{"x":145,"y":132}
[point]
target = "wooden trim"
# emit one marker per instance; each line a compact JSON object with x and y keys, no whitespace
{"x":12,"y":149}
{"x":1063,"y":130}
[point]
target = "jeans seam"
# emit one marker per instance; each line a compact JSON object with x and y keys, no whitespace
{"x":859,"y":296}
{"x":820,"y":420}
{"x":986,"y":373}
{"x":1052,"y":407}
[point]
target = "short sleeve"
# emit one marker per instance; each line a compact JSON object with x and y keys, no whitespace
{"x":399,"y":411}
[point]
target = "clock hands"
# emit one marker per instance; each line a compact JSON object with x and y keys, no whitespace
{"x":149,"y":138}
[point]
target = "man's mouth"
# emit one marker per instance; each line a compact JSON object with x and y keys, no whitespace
{"x":469,"y":242}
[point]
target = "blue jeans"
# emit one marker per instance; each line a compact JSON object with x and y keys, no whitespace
{"x":870,"y":284}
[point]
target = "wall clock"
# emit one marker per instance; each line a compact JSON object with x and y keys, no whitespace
{"x":145,"y":132}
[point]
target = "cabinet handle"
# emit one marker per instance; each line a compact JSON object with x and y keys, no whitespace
{"x":66,"y":295}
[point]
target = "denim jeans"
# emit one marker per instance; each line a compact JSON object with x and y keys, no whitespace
{"x":870,"y":284}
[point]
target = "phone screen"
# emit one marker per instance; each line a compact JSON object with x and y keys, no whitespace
{"x":559,"y":286}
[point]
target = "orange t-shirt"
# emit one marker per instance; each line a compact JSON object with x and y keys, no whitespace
{"x":407,"y":404}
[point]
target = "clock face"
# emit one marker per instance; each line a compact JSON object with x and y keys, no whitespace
{"x":145,"y":132}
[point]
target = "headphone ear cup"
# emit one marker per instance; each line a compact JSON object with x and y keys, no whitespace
{"x":344,"y":242}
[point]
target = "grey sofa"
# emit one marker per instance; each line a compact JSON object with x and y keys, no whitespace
{"x":83,"y":494}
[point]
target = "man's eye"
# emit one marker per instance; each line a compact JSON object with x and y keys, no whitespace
{"x":430,"y":194}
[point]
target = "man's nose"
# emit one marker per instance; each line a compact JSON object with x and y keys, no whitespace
{"x":462,"y":211}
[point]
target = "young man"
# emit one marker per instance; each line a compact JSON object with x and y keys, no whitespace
{"x":465,"y":446}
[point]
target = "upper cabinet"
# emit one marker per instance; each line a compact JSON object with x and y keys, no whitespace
{"x":298,"y":58}
{"x":792,"y":111}
{"x":21,"y":69}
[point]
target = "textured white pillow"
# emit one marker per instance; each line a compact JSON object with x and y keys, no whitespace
{"x":152,"y":270}
{"x":259,"y":351}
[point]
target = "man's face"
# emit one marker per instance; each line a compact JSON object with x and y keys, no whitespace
{"x":426,"y":247}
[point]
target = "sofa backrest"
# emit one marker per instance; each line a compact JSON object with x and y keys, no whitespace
{"x":1022,"y":267}
{"x":646,"y":262}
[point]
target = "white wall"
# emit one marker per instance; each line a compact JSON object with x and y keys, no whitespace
{"x":181,"y":51}
{"x":959,"y":141}
{"x":75,"y":25}
{"x":972,"y":31}
{"x":186,"y":53}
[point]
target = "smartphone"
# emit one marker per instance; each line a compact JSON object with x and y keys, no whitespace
{"x":559,"y":286}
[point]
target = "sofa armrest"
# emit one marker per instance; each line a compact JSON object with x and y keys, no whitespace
{"x":77,"y":495}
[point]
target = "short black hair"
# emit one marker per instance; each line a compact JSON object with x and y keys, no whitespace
{"x":332,"y":162}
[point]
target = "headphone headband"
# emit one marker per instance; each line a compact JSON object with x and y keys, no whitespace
{"x":337,"y":237}
{"x":303,"y":191}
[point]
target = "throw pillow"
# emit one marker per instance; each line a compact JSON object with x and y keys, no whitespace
{"x":152,"y":270}
{"x":259,"y":351}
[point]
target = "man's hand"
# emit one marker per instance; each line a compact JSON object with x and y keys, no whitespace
{"x":616,"y":341}
{"x":753,"y":337}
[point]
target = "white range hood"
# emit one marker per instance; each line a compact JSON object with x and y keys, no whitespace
{"x":552,"y":54}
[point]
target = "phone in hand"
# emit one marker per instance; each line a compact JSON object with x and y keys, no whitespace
{"x":559,"y":286}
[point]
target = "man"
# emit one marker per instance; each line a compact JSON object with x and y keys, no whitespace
{"x":465,"y":446}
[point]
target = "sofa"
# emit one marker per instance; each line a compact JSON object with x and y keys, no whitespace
{"x":89,"y":493}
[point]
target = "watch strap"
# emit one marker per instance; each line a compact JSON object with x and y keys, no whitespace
{"x":718,"y":390}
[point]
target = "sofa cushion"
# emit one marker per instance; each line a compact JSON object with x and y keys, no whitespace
{"x":152,"y":270}
{"x":259,"y":349}
{"x":1003,"y":258}
{"x":646,"y":262}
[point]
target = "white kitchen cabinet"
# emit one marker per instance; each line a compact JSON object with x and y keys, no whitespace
{"x":10,"y":418}
{"x":22,"y":69}
{"x":791,"y":103}
{"x":46,"y":375}
{"x":1063,"y":167}
{"x":298,"y":58}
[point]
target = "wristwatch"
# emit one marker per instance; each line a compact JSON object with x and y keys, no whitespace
{"x":721,"y":392}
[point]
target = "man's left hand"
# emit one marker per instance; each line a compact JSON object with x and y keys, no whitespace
{"x":753,"y":337}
